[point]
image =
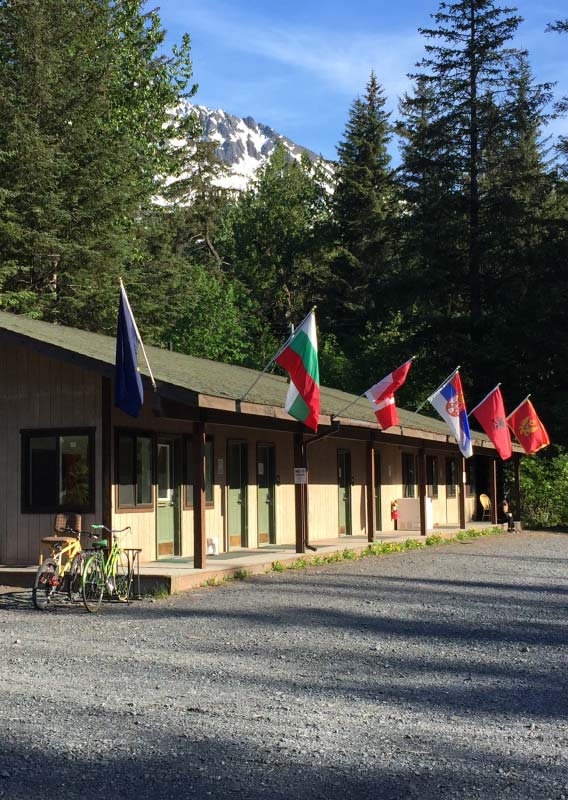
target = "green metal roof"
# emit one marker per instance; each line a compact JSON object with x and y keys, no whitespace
{"x":197,"y":375}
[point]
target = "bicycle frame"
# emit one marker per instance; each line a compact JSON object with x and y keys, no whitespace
{"x":108,"y":560}
{"x":70,"y":550}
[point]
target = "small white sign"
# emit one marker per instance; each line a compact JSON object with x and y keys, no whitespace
{"x":260,"y":468}
{"x":219,"y":466}
{"x":300,"y":475}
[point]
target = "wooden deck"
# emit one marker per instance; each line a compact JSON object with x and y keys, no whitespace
{"x":179,"y":574}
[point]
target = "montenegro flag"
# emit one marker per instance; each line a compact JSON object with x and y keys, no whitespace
{"x":528,"y":428}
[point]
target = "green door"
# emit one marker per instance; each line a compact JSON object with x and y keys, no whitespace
{"x":237,"y":485}
{"x":344,"y":491}
{"x":169,"y":490}
{"x":378,"y":508}
{"x":266,"y":494}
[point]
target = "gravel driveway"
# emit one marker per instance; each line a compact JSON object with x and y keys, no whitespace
{"x":438,"y":673}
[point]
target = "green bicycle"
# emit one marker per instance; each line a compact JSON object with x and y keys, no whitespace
{"x":107,"y":572}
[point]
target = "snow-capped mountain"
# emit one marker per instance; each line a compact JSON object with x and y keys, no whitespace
{"x":243,"y":144}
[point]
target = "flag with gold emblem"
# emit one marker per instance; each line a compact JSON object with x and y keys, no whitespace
{"x":528,"y":428}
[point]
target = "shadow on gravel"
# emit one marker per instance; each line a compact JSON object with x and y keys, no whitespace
{"x":219,"y":768}
{"x":297,"y":616}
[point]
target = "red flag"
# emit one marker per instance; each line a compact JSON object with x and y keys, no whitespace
{"x":381,"y":396}
{"x":492,"y":418}
{"x":528,"y":429}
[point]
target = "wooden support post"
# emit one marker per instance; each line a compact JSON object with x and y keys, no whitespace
{"x":199,"y":540}
{"x":493,"y":490}
{"x":300,"y":494}
{"x":461,"y":491}
{"x":106,"y":454}
{"x":371,"y":489}
{"x":517,"y":496}
{"x":422,"y":490}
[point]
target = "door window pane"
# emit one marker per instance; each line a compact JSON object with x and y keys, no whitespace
{"x":432,"y":476}
{"x":164,"y":482}
{"x":451,"y":477}
{"x":408,"y":474}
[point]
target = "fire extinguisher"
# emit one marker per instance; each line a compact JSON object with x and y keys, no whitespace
{"x":394,"y":513}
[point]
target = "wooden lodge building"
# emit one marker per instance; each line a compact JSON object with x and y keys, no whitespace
{"x":201,"y":471}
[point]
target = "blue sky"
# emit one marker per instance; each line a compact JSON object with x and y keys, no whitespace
{"x":298,"y":65}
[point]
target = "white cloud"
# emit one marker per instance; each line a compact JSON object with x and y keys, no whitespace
{"x":340,"y":59}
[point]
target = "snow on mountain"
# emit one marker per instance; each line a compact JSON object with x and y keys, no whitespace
{"x":243,"y":144}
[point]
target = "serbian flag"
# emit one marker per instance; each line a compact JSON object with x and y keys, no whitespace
{"x":449,"y":402}
{"x":528,"y":428}
{"x":381,"y":396}
{"x":490,"y":414}
{"x":299,"y":357}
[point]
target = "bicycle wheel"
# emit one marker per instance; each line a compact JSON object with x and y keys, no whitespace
{"x":74,"y":578}
{"x":93,"y":584}
{"x":122,"y":576}
{"x":46,"y":584}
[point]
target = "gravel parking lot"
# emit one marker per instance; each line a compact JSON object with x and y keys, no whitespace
{"x":438,"y":673}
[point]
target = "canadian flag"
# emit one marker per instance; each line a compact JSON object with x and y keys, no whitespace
{"x":381,"y":396}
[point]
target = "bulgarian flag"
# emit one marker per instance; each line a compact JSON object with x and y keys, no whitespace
{"x":299,"y":357}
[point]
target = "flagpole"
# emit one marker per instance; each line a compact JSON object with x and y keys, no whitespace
{"x":449,"y":378}
{"x":352,"y":403}
{"x":520,"y":404}
{"x":343,"y":410}
{"x":140,"y":342}
{"x":273,"y":359}
{"x":484,"y":399}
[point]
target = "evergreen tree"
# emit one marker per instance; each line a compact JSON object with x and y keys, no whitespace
{"x":364,"y":205}
{"x":561,"y":26}
{"x":84,"y":136}
{"x":467,"y":68}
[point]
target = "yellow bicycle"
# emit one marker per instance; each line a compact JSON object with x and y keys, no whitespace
{"x":61,"y":571}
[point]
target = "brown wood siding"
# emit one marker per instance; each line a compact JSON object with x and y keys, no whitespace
{"x":38,"y":392}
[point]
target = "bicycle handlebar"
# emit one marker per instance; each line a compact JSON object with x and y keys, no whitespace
{"x":100,"y":527}
{"x":69,"y":529}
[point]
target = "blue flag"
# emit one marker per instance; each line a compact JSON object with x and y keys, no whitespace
{"x":128,"y":391}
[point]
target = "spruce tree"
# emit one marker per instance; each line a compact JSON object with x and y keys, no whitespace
{"x":361,"y":239}
{"x":561,"y":26}
{"x":467,"y":69}
{"x":364,"y":203}
{"x":83,"y":148}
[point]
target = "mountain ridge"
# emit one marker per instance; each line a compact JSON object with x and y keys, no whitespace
{"x":243,"y":144}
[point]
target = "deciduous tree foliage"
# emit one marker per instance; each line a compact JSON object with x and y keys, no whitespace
{"x":273,"y":241}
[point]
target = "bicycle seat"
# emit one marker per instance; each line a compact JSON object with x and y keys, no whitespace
{"x":58,"y":539}
{"x":100,"y":543}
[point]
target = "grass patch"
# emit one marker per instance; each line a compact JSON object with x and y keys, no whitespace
{"x":159,"y":593}
{"x":381,"y":549}
{"x":240,"y":575}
